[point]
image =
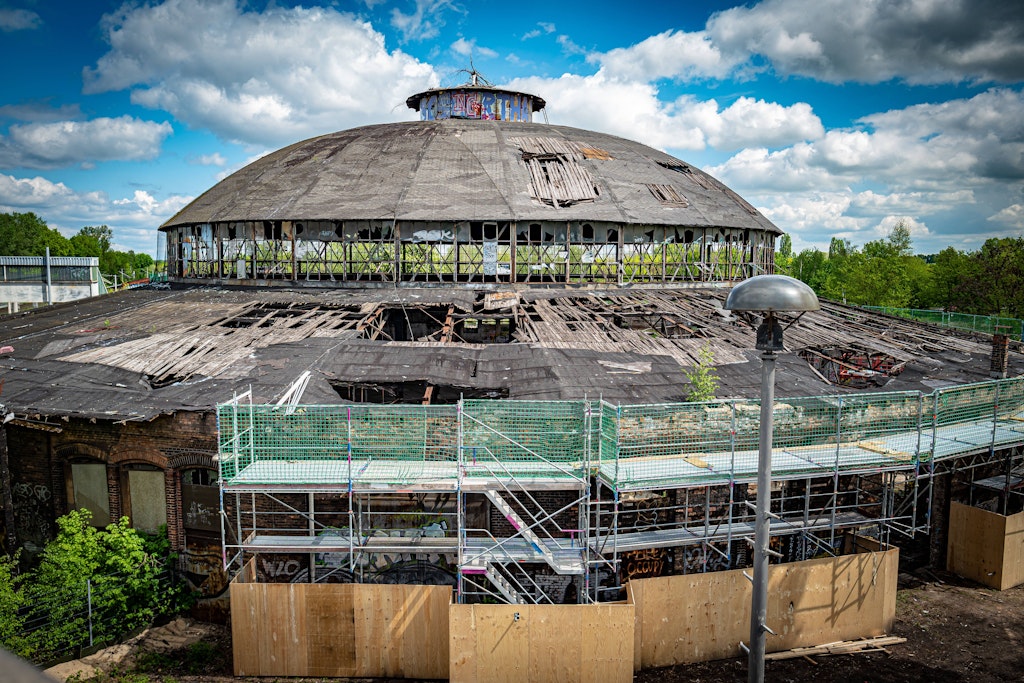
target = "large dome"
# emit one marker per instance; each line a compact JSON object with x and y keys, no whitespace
{"x":469,"y":200}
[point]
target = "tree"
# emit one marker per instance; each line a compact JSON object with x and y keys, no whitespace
{"x":784,"y":256}
{"x":703,"y":378}
{"x":26,"y":234}
{"x":102,"y":234}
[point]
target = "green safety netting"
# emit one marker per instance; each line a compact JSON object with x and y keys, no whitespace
{"x":629,"y":446}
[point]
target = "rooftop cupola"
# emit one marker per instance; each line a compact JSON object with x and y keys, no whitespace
{"x":476,"y":99}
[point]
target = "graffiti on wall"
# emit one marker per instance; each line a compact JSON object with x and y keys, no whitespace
{"x":33,"y":515}
{"x":646,"y":563}
{"x":475,"y":104}
{"x":203,"y":568}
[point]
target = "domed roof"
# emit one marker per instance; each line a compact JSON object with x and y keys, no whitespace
{"x":470,"y":170}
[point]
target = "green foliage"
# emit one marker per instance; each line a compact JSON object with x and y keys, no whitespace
{"x":703,"y":378}
{"x":12,"y":622}
{"x":26,"y":234}
{"x":107,"y":581}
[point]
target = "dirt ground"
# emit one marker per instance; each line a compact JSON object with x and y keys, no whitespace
{"x":955,"y":631}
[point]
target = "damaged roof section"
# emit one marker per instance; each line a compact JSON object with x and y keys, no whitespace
{"x":556,"y":175}
{"x":135,"y":355}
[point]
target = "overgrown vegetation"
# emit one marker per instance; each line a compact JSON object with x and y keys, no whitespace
{"x":702,"y":377}
{"x":26,"y":234}
{"x":91,"y":586}
{"x":989,"y":281}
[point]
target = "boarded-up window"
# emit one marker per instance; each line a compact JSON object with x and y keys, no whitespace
{"x":148,"y":502}
{"x":89,"y":486}
{"x":556,"y":175}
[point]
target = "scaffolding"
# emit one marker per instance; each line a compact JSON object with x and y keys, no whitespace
{"x":548,"y":501}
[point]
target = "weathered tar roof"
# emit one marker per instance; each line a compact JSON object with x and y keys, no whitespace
{"x":457,"y":170}
{"x":135,"y":355}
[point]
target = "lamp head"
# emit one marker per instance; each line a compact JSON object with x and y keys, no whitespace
{"x":772,"y":294}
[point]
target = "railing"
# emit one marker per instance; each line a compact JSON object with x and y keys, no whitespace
{"x":1011,"y":327}
{"x":711,"y":442}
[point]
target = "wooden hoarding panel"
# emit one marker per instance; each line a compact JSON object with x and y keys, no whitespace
{"x":1013,"y":552}
{"x":699,"y":617}
{"x":975,"y":546}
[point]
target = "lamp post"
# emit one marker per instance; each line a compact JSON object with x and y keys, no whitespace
{"x":768,"y":295}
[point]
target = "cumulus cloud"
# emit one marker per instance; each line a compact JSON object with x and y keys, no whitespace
{"x":672,"y":54}
{"x":131,"y":219}
{"x":1012,"y":216}
{"x":919,"y":41}
{"x":686,"y":123}
{"x":300,"y":72}
{"x":68,"y":143}
{"x":18,"y":20}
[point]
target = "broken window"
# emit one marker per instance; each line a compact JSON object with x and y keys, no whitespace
{"x":200,"y":500}
{"x":89,"y":488}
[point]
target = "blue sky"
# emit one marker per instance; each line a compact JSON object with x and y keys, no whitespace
{"x":834,"y":118}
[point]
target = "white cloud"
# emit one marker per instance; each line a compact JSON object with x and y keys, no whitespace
{"x":920,"y":41}
{"x":468,"y":48}
{"x":66,"y":143}
{"x":132,"y":219}
{"x":18,"y":20}
{"x":569,"y":47}
{"x":672,"y":54}
{"x":917,"y":228}
{"x":425,"y":22}
{"x":639,"y":114}
{"x":301,"y":72}
{"x":543,"y":27}
{"x":215,"y":159}
{"x":1012,"y":216}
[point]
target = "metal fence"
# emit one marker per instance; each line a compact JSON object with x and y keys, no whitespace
{"x":1011,"y":327}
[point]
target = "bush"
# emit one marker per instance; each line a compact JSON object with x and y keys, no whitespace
{"x":94,"y":585}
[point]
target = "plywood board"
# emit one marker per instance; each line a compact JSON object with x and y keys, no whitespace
{"x":555,"y":635}
{"x":699,"y":617}
{"x":1013,"y":552}
{"x":546,"y":644}
{"x":340,"y":630}
{"x":245,"y":611}
{"x":606,"y":647}
{"x":975,"y":546}
{"x":330,"y":631}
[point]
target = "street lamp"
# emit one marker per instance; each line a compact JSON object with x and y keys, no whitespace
{"x":768,"y":295}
